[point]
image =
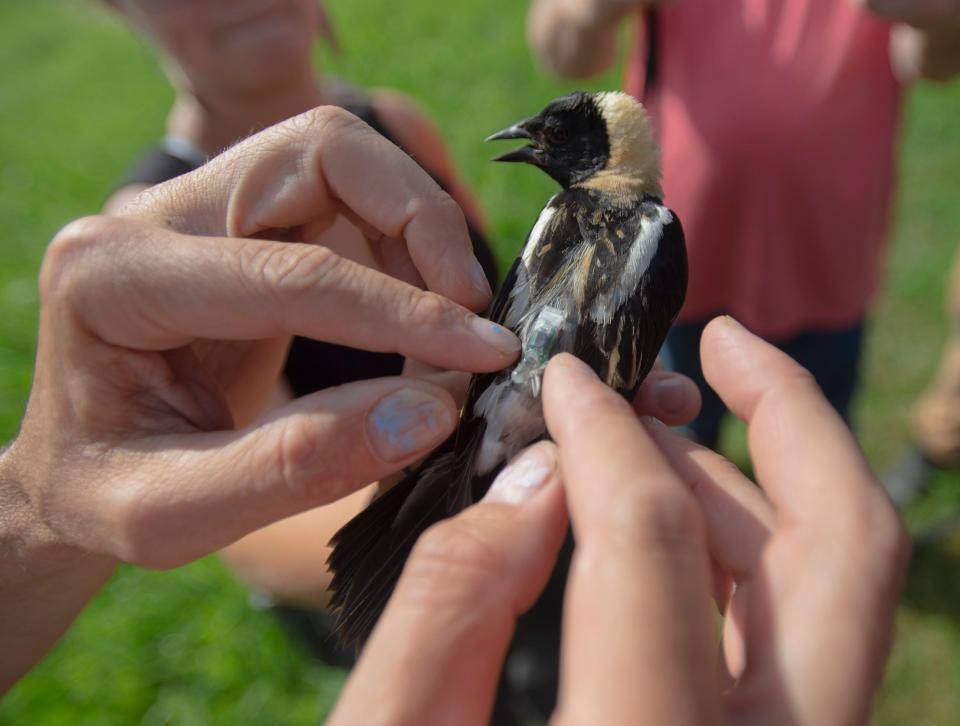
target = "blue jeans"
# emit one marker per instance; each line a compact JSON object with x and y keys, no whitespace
{"x":832,"y":357}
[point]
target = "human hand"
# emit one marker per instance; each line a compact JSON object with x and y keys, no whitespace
{"x":817,"y":563}
{"x":577,"y":38}
{"x":669,"y":397}
{"x":164,"y":329}
{"x":925,"y":42}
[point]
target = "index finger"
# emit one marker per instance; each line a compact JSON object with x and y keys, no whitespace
{"x":176,"y":288}
{"x":803,"y":452}
{"x":637,"y":629}
{"x":829,"y":579}
{"x":307,"y":169}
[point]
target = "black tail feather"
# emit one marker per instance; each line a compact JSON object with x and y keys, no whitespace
{"x":369,"y":552}
{"x":353,"y":543}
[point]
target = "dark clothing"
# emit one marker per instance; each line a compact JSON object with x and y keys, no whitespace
{"x":155,"y":165}
{"x":832,"y":357}
{"x":312,"y":365}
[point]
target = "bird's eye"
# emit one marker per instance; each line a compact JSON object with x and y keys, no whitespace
{"x":556,"y":135}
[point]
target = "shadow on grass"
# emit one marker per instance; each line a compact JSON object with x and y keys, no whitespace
{"x":933,"y":583}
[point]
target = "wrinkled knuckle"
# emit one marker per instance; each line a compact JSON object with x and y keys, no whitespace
{"x":305,"y":270}
{"x":453,"y":557}
{"x":327,"y":121}
{"x":284,"y":463}
{"x":640,"y":516}
{"x":437,"y":206}
{"x":64,"y":258}
{"x":290,"y":271}
{"x":448,"y":207}
{"x":428,"y":310}
{"x":138,"y":530}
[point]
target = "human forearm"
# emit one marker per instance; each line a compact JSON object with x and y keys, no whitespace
{"x":930,"y":54}
{"x":574,"y":38}
{"x":925,"y":42}
{"x":44,"y":583}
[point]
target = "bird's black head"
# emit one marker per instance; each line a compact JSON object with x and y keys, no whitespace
{"x":568,"y":139}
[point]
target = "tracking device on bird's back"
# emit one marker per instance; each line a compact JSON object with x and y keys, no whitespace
{"x":537,"y":346}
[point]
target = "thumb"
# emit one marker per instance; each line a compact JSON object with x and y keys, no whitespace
{"x":208,"y":490}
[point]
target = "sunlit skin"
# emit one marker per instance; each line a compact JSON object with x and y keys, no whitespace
{"x":242,"y":65}
{"x":126,"y":451}
{"x":816,"y":551}
{"x":578,"y":38}
{"x":151,"y":355}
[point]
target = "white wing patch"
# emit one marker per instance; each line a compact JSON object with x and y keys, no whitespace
{"x":539,"y":227}
{"x":642,"y":251}
{"x":519,"y":300}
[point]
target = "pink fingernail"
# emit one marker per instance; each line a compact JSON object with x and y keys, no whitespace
{"x":407,"y":422}
{"x":522,"y":478}
{"x":495,"y":335}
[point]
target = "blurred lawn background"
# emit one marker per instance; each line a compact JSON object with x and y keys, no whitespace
{"x":79,"y":96}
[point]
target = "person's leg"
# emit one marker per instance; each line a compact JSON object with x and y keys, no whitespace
{"x":936,"y":417}
{"x":833,"y":357}
{"x":935,"y":420}
{"x":681,"y":353}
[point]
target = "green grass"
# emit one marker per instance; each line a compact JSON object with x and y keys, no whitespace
{"x":79,"y":96}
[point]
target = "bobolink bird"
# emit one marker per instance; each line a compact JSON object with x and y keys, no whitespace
{"x":602,"y":275}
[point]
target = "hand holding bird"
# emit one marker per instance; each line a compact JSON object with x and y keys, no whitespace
{"x":602,"y":275}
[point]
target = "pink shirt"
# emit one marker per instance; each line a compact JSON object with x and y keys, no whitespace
{"x":777,"y":120}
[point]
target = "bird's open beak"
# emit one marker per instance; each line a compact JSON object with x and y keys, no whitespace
{"x":517,"y":131}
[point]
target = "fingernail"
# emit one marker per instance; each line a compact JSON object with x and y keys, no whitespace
{"x":670,"y":394}
{"x":495,"y":335}
{"x":407,"y":422}
{"x":480,"y":281}
{"x":522,"y":478}
{"x":732,"y":322}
